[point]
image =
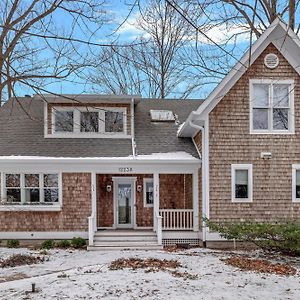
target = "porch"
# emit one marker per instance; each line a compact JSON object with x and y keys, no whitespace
{"x":128,"y":205}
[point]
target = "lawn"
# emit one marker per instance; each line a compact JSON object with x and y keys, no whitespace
{"x":186,"y":274}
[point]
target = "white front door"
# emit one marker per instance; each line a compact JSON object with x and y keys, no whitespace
{"x":124,"y":200}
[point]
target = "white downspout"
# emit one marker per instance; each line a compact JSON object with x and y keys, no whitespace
{"x":133,"y":145}
{"x":202,"y":156}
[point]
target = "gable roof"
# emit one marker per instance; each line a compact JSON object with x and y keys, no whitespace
{"x":281,"y":36}
{"x":22,"y":132}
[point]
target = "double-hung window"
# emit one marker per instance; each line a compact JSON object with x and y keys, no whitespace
{"x":271,"y":106}
{"x":241,"y":176}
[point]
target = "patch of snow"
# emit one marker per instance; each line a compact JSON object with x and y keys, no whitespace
{"x":179,"y":155}
{"x":85,"y":275}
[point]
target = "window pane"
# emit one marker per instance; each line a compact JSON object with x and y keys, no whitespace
{"x":12,"y":180}
{"x":64,"y":121}
{"x":241,"y":191}
{"x":32,"y":180}
{"x":50,"y":180}
{"x":89,"y":121}
{"x":260,"y":95}
{"x":241,"y":184}
{"x":149,"y":192}
{"x":51,"y":195}
{"x":280,"y":95}
{"x":297,"y":183}
{"x":241,"y":176}
{"x":13,"y":195}
{"x":260,"y":118}
{"x":281,"y":118}
{"x":32,"y":195}
{"x":113,"y":121}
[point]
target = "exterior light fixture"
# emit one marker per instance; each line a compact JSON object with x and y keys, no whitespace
{"x":108,"y":188}
{"x":139,"y":188}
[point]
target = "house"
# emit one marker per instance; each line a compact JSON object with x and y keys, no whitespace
{"x":107,"y":168}
{"x":248,"y":133}
{"x":123,"y":171}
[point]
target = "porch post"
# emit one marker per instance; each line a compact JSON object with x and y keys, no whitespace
{"x":196,"y":201}
{"x":155,"y":199}
{"x":94,"y":200}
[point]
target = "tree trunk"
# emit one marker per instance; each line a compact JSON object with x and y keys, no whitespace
{"x":292,"y":11}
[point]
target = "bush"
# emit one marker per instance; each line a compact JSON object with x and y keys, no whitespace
{"x":48,"y":244}
{"x":78,"y":242}
{"x":13,"y":243}
{"x":279,"y":237}
{"x":63,"y":244}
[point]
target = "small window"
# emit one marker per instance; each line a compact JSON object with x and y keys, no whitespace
{"x":64,"y":121}
{"x":241,"y":183}
{"x":148,"y":192}
{"x":114,"y":121}
{"x":271,"y":104}
{"x":89,"y":121}
{"x":296,"y":183}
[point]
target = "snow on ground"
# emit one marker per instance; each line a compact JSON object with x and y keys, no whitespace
{"x":85,"y":275}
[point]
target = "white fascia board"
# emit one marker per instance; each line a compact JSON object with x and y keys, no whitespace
{"x":100,"y":166}
{"x":278,"y":33}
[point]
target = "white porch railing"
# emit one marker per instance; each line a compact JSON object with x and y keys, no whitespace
{"x":177,"y":219}
{"x":92,"y":228}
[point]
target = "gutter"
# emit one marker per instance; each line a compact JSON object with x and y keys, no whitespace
{"x":133,"y":144}
{"x":202,"y":157}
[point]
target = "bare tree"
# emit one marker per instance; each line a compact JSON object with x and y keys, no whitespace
{"x":154,"y":67}
{"x":44,"y":41}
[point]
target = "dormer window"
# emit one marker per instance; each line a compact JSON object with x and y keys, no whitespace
{"x":271,"y":106}
{"x":64,"y":121}
{"x":89,"y":121}
{"x":81,"y":122}
{"x":114,"y":121}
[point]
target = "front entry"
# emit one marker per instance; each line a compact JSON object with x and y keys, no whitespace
{"x":124,"y":203}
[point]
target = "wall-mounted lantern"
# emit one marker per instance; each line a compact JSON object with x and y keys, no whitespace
{"x":108,"y":188}
{"x":139,"y":188}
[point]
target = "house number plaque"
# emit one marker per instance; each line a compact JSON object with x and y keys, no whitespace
{"x":125,"y":170}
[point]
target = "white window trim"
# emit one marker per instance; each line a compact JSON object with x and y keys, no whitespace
{"x":147,"y":180}
{"x":295,"y":167}
{"x":291,"y":129}
{"x":247,"y":167}
{"x":76,"y":125}
{"x":25,"y":207}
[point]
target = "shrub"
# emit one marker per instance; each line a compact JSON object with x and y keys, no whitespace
{"x":48,"y":244}
{"x":13,"y":243}
{"x":78,"y":242}
{"x":279,"y":237}
{"x":63,"y":244}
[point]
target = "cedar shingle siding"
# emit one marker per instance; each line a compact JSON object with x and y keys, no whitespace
{"x":230,"y":143}
{"x":76,"y":208}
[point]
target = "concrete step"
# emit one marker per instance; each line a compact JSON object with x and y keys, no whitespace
{"x":128,"y":247}
{"x":125,"y":238}
{"x":125,"y":233}
{"x":124,"y":243}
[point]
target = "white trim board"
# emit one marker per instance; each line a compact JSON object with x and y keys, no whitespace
{"x":42,"y":235}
